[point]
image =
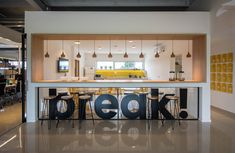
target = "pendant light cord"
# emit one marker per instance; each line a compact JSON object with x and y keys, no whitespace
{"x":110,"y":45}
{"x":141,"y":45}
{"x":94,"y":45}
{"x":47,"y":45}
{"x":188,"y":45}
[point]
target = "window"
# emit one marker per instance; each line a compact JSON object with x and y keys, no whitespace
{"x":109,"y":65}
{"x":104,"y":65}
{"x":128,"y":65}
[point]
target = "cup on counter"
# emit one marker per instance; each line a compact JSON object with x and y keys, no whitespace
{"x":172,"y":76}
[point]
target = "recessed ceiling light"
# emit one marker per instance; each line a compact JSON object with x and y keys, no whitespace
{"x":77,"y":42}
{"x":133,"y":46}
{"x":130,"y":41}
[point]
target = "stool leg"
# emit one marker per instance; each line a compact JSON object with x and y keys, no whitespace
{"x":178,"y":110}
{"x":148,"y":109}
{"x":73,"y":120}
{"x":91,"y":113}
{"x":43,"y":111}
{"x":57,"y":123}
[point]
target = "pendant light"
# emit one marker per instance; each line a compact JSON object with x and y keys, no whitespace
{"x":141,"y":54}
{"x":172,"y":47}
{"x":78,"y":54}
{"x":125,"y":55}
{"x":110,"y":49}
{"x":47,"y":54}
{"x":62,"y":54}
{"x":157,"y":53}
{"x":94,"y":54}
{"x":188,"y":55}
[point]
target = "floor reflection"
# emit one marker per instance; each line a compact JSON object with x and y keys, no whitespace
{"x":122,"y":136}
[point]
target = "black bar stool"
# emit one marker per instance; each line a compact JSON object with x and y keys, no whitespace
{"x":82,"y":114}
{"x":67,"y":99}
{"x":150,"y":100}
{"x":45,"y":107}
{"x":175,"y":100}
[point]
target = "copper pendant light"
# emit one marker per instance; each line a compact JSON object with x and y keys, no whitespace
{"x":110,"y":55}
{"x":141,"y":54}
{"x":94,"y":54}
{"x":172,"y":55}
{"x":172,"y":47}
{"x":188,"y":55}
{"x":78,"y":54}
{"x":157,"y":55}
{"x":110,"y":49}
{"x":125,"y":54}
{"x":47,"y":54}
{"x":62,"y":54}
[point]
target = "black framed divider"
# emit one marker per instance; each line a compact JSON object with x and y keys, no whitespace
{"x":118,"y":103}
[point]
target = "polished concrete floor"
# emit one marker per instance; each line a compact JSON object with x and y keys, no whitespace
{"x":124,"y":136}
{"x":10,"y":117}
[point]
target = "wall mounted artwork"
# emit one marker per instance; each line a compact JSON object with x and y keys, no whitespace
{"x":222,"y":72}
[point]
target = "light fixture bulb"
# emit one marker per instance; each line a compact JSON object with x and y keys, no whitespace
{"x":77,"y":42}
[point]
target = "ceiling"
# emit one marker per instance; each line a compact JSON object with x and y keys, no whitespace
{"x":12,"y":11}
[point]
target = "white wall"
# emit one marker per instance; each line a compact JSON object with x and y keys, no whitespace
{"x":117,"y":23}
{"x":222,"y":40}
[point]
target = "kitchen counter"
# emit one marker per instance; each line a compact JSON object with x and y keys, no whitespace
{"x":117,"y":83}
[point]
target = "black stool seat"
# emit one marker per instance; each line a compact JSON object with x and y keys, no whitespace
{"x":85,"y":97}
{"x":172,"y":97}
{"x":66,"y":97}
{"x":152,"y":97}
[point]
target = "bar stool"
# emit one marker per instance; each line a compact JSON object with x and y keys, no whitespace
{"x":75,"y":95}
{"x":175,"y":100}
{"x":65,"y":98}
{"x":85,"y":98}
{"x":45,"y":107}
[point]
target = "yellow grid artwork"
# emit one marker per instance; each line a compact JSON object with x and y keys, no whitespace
{"x":222,"y":72}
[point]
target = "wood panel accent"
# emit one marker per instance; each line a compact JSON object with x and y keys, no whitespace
{"x":198,"y":52}
{"x":199,"y":58}
{"x":37,"y":58}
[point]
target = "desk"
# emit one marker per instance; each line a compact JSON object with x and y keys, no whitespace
{"x":9,"y":88}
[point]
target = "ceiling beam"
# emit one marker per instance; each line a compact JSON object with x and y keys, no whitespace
{"x":11,"y":34}
{"x":38,"y":5}
{"x":9,"y":49}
